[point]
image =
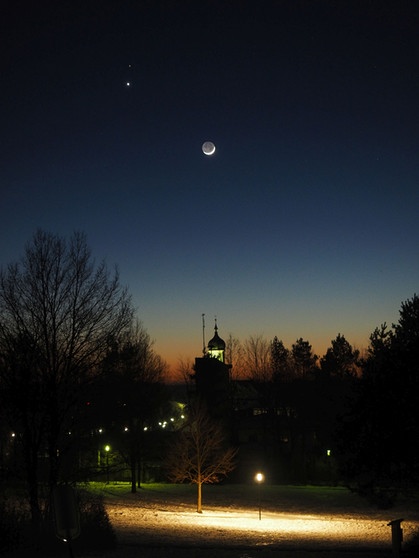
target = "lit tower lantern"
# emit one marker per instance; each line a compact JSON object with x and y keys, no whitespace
{"x":216,"y":346}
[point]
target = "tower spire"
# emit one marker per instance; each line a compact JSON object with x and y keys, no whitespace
{"x":203,"y":335}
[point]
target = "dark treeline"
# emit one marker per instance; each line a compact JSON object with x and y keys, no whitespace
{"x":340,"y":418}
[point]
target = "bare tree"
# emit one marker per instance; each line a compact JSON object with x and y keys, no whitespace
{"x":185,"y":371}
{"x":235,"y":356}
{"x":257,"y":353}
{"x":58,"y":311}
{"x":200,"y":454}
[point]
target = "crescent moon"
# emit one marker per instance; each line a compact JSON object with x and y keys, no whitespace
{"x":208,"y":148}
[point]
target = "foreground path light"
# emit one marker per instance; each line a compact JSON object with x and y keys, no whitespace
{"x":259,"y":478}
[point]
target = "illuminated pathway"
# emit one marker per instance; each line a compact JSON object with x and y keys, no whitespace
{"x":241,"y":528}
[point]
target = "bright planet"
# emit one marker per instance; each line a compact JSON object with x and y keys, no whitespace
{"x":208,"y":148}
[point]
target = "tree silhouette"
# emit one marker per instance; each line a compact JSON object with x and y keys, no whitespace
{"x":132,"y":394}
{"x":256,"y":358}
{"x":199,"y":453}
{"x":58,"y":311}
{"x":280,"y":360}
{"x":303,"y":357}
{"x":378,"y":439}
{"x":340,"y":359}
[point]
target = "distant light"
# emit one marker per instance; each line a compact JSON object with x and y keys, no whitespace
{"x":145,"y":428}
{"x":328,"y":452}
{"x":107,"y":448}
{"x":259,"y":477}
{"x":128,"y":83}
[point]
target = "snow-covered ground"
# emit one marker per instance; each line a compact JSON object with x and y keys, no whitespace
{"x":243,"y":522}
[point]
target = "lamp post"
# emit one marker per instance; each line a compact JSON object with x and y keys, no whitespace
{"x":107,"y":449}
{"x":259,"y":478}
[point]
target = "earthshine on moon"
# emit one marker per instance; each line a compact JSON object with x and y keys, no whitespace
{"x":208,"y":148}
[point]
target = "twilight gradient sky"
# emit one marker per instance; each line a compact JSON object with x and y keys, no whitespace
{"x":305,"y":221}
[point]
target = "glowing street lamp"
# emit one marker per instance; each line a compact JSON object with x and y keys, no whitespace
{"x":259,"y":478}
{"x":107,"y":449}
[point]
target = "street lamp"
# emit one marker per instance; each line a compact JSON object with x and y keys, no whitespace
{"x":259,"y":478}
{"x":107,"y":449}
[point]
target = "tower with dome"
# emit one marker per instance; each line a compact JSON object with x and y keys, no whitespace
{"x":212,"y":376}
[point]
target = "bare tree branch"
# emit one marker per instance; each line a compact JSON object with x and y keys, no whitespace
{"x":200,"y":455}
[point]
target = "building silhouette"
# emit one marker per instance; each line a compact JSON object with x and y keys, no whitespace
{"x":212,"y":378}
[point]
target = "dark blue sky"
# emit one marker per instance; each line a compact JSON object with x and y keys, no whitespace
{"x":305,"y":221}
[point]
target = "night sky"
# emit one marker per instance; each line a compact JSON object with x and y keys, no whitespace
{"x":304,"y":223}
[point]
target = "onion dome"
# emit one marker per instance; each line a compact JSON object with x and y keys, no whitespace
{"x":216,"y":346}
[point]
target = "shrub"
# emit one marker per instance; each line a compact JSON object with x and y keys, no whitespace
{"x":13,"y":516}
{"x":16,"y":534}
{"x":96,"y":529}
{"x":411,"y":546}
